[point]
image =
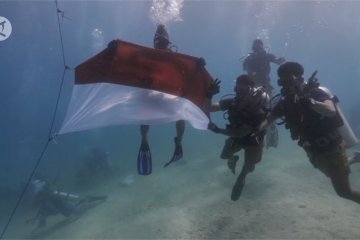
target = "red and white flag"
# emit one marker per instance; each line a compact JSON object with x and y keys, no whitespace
{"x":132,"y":84}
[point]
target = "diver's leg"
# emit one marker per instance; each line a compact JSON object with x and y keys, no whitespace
{"x":144,"y":129}
{"x":341,"y":184}
{"x":180,"y":129}
{"x":339,"y":171}
{"x":228,"y":152}
{"x":252,"y":156}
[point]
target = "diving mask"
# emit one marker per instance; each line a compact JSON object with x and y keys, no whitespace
{"x":242,"y":90}
{"x":291,"y":84}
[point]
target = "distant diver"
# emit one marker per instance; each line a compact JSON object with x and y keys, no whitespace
{"x":51,"y":202}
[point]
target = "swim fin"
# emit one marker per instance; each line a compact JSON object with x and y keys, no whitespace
{"x":144,"y":161}
{"x":178,"y":153}
{"x":238,"y":187}
{"x":272,"y":136}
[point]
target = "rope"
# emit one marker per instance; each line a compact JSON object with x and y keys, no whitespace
{"x":50,"y":137}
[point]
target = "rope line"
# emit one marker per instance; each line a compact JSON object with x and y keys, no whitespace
{"x":50,"y":136}
{"x":58,"y":11}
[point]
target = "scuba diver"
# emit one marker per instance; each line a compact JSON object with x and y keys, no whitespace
{"x":161,"y":41}
{"x":245,"y":112}
{"x":257,"y":64}
{"x":315,"y":121}
{"x":52,"y":202}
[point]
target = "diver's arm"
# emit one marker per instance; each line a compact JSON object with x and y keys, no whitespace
{"x":211,"y":107}
{"x":276,"y":60}
{"x":207,"y":106}
{"x":268,"y":120}
{"x":326,"y":108}
{"x":242,"y":131}
{"x":279,"y":60}
{"x":214,"y":107}
{"x":213,"y":89}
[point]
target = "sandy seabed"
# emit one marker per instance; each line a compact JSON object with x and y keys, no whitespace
{"x":284,"y":198}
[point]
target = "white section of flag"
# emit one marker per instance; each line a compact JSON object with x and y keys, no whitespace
{"x":105,"y":104}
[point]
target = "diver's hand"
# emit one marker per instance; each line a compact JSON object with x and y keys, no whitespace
{"x":306,"y":101}
{"x":214,"y":88}
{"x":280,"y":60}
{"x":202,"y":62}
{"x":262,"y":126}
{"x":113,"y":44}
{"x":212,"y":127}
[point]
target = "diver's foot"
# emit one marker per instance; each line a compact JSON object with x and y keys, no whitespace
{"x":232,"y":163}
{"x":237,"y":189}
{"x":355,"y":158}
{"x":144,"y":146}
{"x":178,"y":153}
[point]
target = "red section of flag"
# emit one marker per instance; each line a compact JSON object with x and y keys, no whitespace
{"x":133,"y":65}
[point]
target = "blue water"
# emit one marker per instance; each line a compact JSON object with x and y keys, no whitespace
{"x":321,"y":35}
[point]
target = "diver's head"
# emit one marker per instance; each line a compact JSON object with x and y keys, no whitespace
{"x":257,"y":45}
{"x":38,"y":185}
{"x":161,"y":38}
{"x":244,"y":83}
{"x":290,"y":77}
{"x":244,"y":89}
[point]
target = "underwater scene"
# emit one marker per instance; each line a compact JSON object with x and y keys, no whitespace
{"x":179,"y":119}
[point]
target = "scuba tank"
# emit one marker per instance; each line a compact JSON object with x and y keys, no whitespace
{"x":345,"y":130}
{"x":261,"y":98}
{"x":250,"y":110}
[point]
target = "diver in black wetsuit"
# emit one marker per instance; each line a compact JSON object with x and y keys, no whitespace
{"x":246,"y":111}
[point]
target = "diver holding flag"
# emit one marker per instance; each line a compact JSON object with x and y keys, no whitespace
{"x":161,"y":41}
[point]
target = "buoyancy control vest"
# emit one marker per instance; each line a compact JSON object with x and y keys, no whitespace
{"x":252,"y":114}
{"x":305,"y":124}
